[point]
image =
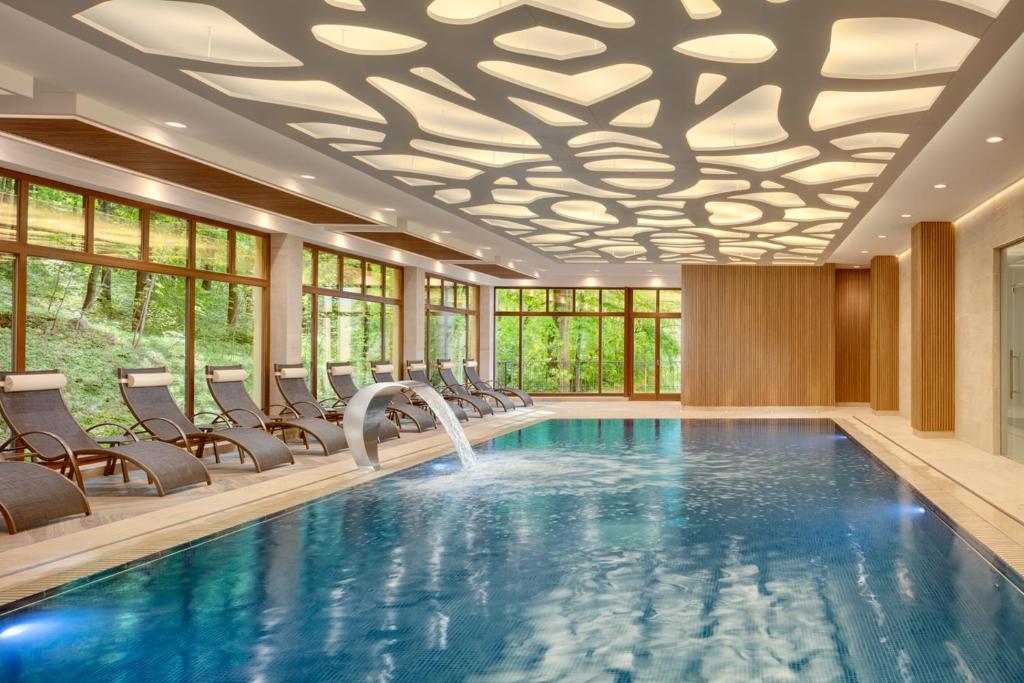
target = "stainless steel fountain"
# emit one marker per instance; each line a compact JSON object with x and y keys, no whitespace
{"x":365,"y":411}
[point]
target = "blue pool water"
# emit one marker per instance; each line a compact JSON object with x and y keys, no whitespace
{"x":576,"y":551}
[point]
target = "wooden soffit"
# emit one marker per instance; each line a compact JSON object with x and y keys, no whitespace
{"x":94,"y":142}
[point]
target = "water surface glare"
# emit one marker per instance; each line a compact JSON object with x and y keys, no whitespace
{"x":577,"y":550}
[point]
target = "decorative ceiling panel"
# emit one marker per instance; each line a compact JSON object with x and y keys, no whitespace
{"x":683,"y":131}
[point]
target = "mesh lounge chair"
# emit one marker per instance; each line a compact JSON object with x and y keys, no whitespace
{"x":227,"y":386}
{"x":444,"y":370}
{"x":401,"y":403}
{"x":291,"y":381}
{"x":340,"y":376}
{"x":416,"y":370}
{"x":480,"y":384}
{"x":31,"y":494}
{"x":34,"y":408}
{"x":147,"y":393}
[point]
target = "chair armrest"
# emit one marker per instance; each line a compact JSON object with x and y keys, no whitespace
{"x":227,"y":414}
{"x":319,"y":407}
{"x":69,"y":455}
{"x":126,"y":430}
{"x":181,"y":432}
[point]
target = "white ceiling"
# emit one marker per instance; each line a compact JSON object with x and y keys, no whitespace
{"x":750,"y":131}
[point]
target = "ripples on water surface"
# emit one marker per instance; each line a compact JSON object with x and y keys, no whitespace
{"x":577,"y":550}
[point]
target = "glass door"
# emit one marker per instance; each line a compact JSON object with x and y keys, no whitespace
{"x":655,"y":333}
{"x":1012,"y":350}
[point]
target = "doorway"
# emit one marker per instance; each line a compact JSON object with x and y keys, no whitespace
{"x":1012,"y":349}
{"x":655,"y":335}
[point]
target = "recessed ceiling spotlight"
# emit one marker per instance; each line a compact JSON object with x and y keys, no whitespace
{"x":175,"y":124}
{"x":306,"y":176}
{"x":881,"y":237}
{"x":995,"y":139}
{"x":485,"y":247}
{"x":856,"y":266}
{"x":906,"y":215}
{"x":517,"y":260}
{"x":387,"y":208}
{"x":864,"y":251}
{"x":446,"y":232}
{"x":940,"y":186}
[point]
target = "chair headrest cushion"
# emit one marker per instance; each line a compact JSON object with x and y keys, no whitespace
{"x":414,"y":367}
{"x":384,"y":368}
{"x":470,"y":363}
{"x":149,"y":379}
{"x":293,"y":373}
{"x":233,"y":375}
{"x":51,"y":380}
{"x":341,"y":370}
{"x":447,"y":365}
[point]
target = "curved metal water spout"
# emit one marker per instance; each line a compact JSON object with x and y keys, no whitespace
{"x":365,"y":411}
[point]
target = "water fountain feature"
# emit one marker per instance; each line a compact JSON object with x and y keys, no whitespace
{"x":365,"y":411}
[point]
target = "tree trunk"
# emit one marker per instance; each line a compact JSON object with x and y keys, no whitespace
{"x":91,"y":288}
{"x":140,"y":328}
{"x":106,"y":277}
{"x":141,"y":281}
{"x":232,"y":305}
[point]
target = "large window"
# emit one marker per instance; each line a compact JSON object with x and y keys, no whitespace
{"x":452,"y":322}
{"x":352,"y":312}
{"x":104,"y":283}
{"x":588,"y":341}
{"x":561,"y":340}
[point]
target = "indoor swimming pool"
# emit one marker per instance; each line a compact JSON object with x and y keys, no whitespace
{"x":576,"y":550}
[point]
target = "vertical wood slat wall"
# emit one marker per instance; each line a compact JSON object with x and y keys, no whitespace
{"x":853,"y":336}
{"x":932,"y":344}
{"x":885,"y":333}
{"x":759,"y":336}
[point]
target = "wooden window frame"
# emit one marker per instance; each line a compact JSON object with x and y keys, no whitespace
{"x":465,"y":311}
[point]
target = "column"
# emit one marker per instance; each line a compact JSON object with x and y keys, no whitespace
{"x":885,"y":334}
{"x":414,"y":322}
{"x":285,"y":304}
{"x":932,"y":337}
{"x":486,"y":320}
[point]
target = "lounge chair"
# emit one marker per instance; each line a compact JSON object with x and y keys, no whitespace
{"x":32,"y":494}
{"x":147,"y":393}
{"x":227,"y":386}
{"x":401,"y":403}
{"x":291,"y":381}
{"x":444,"y":370}
{"x":480,"y":384}
{"x":34,"y":409}
{"x":340,"y":377}
{"x":416,"y":370}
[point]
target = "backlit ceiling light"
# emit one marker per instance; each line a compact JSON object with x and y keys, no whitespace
{"x":894,"y":47}
{"x":738,"y":48}
{"x":549,"y":43}
{"x":882,"y":237}
{"x":940,"y":186}
{"x":995,"y":139}
{"x":841,"y":108}
{"x":175,"y":124}
{"x":906,"y":215}
{"x":471,"y":11}
{"x":585,"y":88}
{"x":363,"y":40}
{"x":751,"y":121}
{"x":185,"y":30}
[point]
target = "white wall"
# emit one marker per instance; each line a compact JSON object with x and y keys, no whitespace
{"x":979,"y":236}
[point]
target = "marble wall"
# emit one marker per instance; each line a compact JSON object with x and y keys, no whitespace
{"x":980,"y":234}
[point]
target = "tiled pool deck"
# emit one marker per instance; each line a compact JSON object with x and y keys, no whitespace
{"x":978,"y":493}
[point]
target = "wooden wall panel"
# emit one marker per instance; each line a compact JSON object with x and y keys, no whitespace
{"x":885,"y":333}
{"x":932,"y":336}
{"x":853,"y":336}
{"x":757,"y":336}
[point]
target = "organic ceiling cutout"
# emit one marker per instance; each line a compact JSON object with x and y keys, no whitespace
{"x":548,"y":115}
{"x":573,"y":186}
{"x":606,"y":137}
{"x":471,"y":11}
{"x":642,"y":115}
{"x":875,"y":156}
{"x":186,"y":30}
{"x":894,"y":47}
{"x":992,"y":8}
{"x":870,"y":140}
{"x":417,"y":182}
{"x":784,"y":200}
{"x":337,"y":131}
{"x":313,"y":95}
{"x":584,"y":210}
{"x":366,"y":41}
{"x":702,"y":9}
{"x":454,"y":195}
{"x":815,"y":214}
{"x":437,"y":78}
{"x":707,"y":85}
{"x":707,"y":188}
{"x":835,"y":171}
{"x":494,"y":158}
{"x":626,"y":165}
{"x":619,"y":150}
{"x":764,"y":161}
{"x":735,"y":48}
{"x":751,"y":121}
{"x":450,"y":120}
{"x":732,"y":213}
{"x":500,"y":210}
{"x":842,"y":108}
{"x":549,"y":43}
{"x":412,"y":163}
{"x":351,"y":147}
{"x":353,"y":5}
{"x":585,"y":88}
{"x":635,"y":183}
{"x":516,"y":196}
